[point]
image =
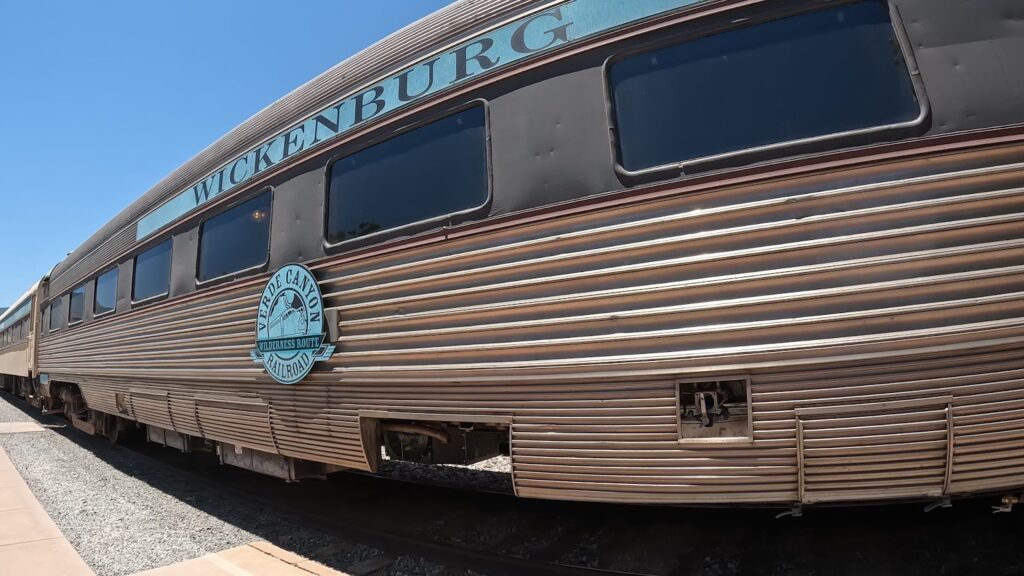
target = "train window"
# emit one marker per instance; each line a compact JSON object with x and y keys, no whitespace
{"x":152,"y":276}
{"x":76,"y":306}
{"x":426,"y":174}
{"x":106,"y":292}
{"x":236,"y":239}
{"x":830,"y":72}
{"x":55,"y":315}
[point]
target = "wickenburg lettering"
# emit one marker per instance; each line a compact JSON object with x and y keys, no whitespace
{"x":533,"y":34}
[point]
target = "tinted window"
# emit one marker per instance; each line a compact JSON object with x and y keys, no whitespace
{"x":824,"y":72}
{"x":426,"y":173}
{"x":76,"y":309}
{"x":55,"y":315}
{"x":106,"y":292}
{"x":236,"y":239}
{"x":152,"y":272}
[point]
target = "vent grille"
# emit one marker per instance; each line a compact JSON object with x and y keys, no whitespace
{"x":899,"y":449}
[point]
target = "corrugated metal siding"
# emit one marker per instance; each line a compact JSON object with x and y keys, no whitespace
{"x":71,"y":274}
{"x":825,"y":295}
{"x":391,"y":53}
{"x":888,"y":448}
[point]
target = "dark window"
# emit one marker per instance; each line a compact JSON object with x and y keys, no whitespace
{"x":825,"y":72}
{"x":433,"y":171}
{"x":55,"y":315}
{"x":106,"y":292}
{"x":76,"y":308}
{"x":152,"y":272}
{"x":236,"y":239}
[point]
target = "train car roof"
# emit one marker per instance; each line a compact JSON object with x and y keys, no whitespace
{"x":387,"y":55}
{"x":8,"y":316}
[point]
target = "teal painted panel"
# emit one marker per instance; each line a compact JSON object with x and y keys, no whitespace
{"x":531,"y":35}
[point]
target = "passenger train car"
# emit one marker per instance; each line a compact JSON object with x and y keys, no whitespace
{"x":17,"y":343}
{"x":670,"y":251}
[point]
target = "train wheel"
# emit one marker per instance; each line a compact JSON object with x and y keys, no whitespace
{"x":407,"y":447}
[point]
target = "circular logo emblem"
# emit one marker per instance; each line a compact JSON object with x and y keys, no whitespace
{"x":290,"y":325}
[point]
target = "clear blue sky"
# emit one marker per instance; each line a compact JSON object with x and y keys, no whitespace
{"x":77,"y":78}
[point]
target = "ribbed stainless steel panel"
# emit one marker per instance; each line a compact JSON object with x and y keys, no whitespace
{"x":73,"y":273}
{"x":829,"y":296}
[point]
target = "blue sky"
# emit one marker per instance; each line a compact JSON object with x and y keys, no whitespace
{"x":100,"y":100}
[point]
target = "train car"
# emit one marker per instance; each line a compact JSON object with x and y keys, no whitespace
{"x":18,"y":344}
{"x":671,"y":251}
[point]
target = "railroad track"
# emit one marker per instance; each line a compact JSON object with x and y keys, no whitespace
{"x":492,"y":533}
{"x":361,"y":508}
{"x":438,"y":523}
{"x":393,"y":528}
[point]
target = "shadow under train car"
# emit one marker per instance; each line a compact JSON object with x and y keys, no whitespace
{"x":896,"y":539}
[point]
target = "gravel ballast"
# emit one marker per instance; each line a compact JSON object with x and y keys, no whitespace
{"x":125,"y":513}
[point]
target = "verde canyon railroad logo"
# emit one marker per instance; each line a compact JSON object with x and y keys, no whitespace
{"x":290,"y":325}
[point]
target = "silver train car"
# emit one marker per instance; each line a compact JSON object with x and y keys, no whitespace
{"x":17,"y":344}
{"x":671,"y":251}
